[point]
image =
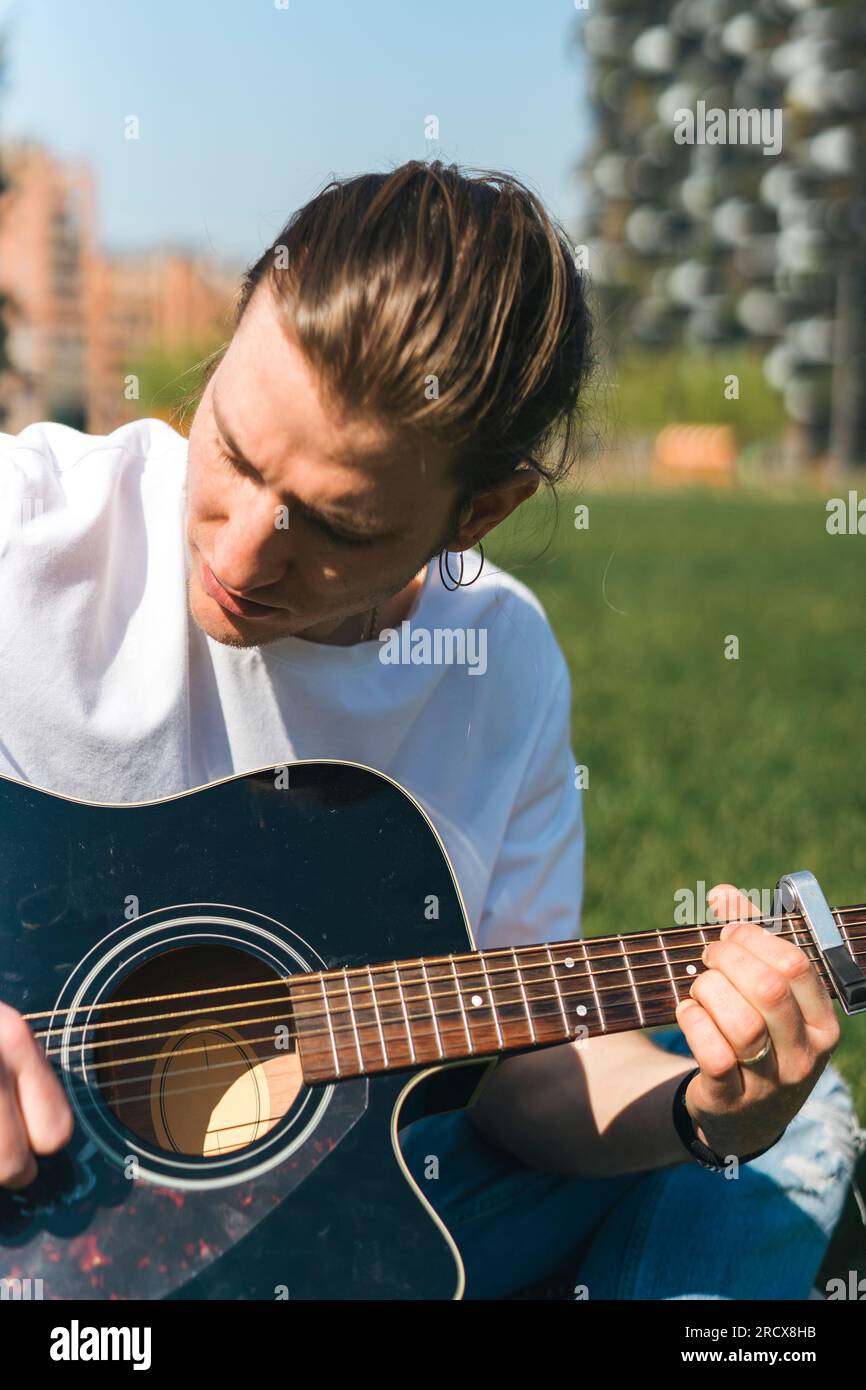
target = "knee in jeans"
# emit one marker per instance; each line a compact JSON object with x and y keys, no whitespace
{"x":818,"y":1153}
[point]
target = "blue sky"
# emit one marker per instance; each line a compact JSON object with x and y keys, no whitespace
{"x":246,"y":109}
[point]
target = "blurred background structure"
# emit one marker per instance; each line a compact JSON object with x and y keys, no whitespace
{"x":93,"y":339}
{"x":727,"y":268}
{"x":733,"y":257}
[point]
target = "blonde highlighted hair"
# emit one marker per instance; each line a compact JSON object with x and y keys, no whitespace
{"x":444,"y":306}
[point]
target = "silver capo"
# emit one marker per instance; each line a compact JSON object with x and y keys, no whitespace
{"x":801,"y":892}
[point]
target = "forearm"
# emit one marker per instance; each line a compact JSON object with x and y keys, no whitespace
{"x":598,"y":1110}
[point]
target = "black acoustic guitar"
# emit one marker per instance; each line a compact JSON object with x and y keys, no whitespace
{"x":233,"y":985}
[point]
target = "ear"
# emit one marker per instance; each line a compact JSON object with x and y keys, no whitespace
{"x":490,"y":508}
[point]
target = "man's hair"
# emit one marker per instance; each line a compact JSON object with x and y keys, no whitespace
{"x":443,"y":307}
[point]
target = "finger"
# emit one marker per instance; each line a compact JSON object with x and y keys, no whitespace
{"x":720,"y":1072}
{"x":42,"y":1104}
{"x":767,"y":989}
{"x":791,"y":961}
{"x":47,"y":1116}
{"x":739,"y":1022}
{"x":17,"y":1164}
{"x":728,"y":904}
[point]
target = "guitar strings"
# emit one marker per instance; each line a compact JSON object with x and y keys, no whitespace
{"x":78,"y":1080}
{"x":445,"y":1033}
{"x":350,"y":1008}
{"x":330,"y":1032}
{"x":87,"y":1103}
{"x":144,"y":1078}
{"x":420,"y":962}
{"x":665,"y":933}
{"x":482,"y":973}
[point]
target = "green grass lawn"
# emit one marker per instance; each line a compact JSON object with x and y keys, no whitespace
{"x":703,"y":768}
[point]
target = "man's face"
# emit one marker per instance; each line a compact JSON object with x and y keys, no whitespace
{"x":298,"y":519}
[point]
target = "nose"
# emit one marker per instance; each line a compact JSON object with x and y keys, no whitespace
{"x":252,"y":549}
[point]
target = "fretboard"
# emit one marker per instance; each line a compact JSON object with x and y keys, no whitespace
{"x":404,"y":1014}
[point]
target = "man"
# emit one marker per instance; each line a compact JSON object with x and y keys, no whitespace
{"x":173,"y":613}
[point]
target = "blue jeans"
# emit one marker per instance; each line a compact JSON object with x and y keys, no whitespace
{"x":675,"y":1232}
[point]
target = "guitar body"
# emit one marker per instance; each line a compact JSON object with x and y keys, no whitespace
{"x":203,"y":1165}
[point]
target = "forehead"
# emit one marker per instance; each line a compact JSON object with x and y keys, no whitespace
{"x":267,"y":394}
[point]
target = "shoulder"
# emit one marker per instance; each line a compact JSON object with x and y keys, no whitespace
{"x":47,"y":446}
{"x":59,"y":484}
{"x":50,"y":469}
{"x":520,"y":643}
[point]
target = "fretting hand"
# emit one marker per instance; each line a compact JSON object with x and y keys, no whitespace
{"x":759,"y":991}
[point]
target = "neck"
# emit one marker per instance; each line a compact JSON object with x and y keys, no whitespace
{"x":345,"y":633}
{"x":406,"y":1014}
{"x":390,"y":612}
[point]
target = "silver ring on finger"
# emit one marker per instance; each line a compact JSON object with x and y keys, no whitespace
{"x":758,"y":1057}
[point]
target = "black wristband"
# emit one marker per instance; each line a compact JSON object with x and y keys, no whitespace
{"x":686,"y":1131}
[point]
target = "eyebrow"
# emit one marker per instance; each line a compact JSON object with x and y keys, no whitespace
{"x":369,"y":532}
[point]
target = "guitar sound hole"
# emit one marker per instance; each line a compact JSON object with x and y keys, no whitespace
{"x":200,"y":1059}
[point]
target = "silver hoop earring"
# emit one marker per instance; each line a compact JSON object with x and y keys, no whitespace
{"x":445,"y":568}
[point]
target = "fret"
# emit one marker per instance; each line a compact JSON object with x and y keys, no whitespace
{"x":843,"y":932}
{"x":385,"y":1059}
{"x":526,"y":1009}
{"x":601,"y":1016}
{"x":797,"y":941}
{"x":632,"y":983}
{"x":565,"y":1023}
{"x":317,"y":1036}
{"x":432,"y":1007}
{"x":486,"y":1032}
{"x":668,"y":966}
{"x":415,"y":1012}
{"x":705,"y":944}
{"x":407,"y":1024}
{"x":469,"y":1041}
{"x":330,"y":1025}
{"x":680,"y":952}
{"x":353,"y":1021}
{"x":493,"y":1008}
{"x":534,"y":1013}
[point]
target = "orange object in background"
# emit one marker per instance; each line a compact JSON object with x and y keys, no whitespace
{"x":695,"y":453}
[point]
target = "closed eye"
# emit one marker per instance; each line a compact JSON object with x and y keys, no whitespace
{"x":324,"y":527}
{"x":235,"y":464}
{"x":338,"y":537}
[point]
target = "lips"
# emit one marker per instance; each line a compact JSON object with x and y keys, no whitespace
{"x":240,"y":607}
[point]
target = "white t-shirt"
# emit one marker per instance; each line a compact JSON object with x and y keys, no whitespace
{"x":110,"y":692}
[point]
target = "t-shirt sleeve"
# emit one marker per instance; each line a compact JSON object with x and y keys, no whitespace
{"x":536,"y":887}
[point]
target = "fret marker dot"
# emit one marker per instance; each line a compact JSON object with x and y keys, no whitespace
{"x":581,"y":1010}
{"x":477,"y":1000}
{"x":691,"y":970}
{"x":568,"y":962}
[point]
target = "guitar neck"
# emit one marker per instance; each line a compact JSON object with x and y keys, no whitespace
{"x":447,"y":1008}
